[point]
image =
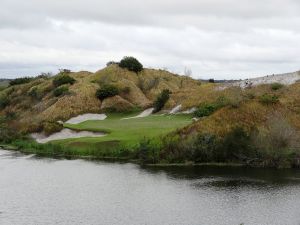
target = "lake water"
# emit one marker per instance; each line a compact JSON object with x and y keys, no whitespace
{"x":35,"y":191}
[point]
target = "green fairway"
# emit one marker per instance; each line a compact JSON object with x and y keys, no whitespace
{"x":127,"y":132}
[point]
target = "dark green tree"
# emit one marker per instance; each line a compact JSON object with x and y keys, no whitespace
{"x":161,"y":100}
{"x":131,"y":63}
{"x":63,"y":79}
{"x":107,"y":91}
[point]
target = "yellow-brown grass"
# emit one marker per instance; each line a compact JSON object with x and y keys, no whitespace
{"x":243,"y":105}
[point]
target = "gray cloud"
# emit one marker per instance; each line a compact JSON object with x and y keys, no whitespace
{"x":215,"y":38}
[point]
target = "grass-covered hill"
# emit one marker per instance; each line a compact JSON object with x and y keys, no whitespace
{"x":37,"y":100}
{"x":257,"y":124}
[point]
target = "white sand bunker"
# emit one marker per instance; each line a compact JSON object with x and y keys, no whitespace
{"x":64,"y":134}
{"x":145,"y":113}
{"x":189,"y":111}
{"x":86,"y":117}
{"x":176,"y":109}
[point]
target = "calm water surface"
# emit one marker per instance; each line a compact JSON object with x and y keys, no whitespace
{"x":37,"y":191}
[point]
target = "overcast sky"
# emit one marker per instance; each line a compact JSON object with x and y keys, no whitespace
{"x":219,"y":39}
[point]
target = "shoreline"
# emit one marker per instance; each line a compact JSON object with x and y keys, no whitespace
{"x":136,"y":161}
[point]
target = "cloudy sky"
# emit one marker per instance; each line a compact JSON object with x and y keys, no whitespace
{"x":214,"y":38}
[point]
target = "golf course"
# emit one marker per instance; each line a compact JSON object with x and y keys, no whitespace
{"x":122,"y":131}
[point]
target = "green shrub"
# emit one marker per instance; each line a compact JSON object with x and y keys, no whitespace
{"x":211,"y":80}
{"x":112,"y":63}
{"x":10,"y":115}
{"x":60,"y":91}
{"x":205,"y":109}
{"x":131,"y":63}
{"x":7,"y":134}
{"x":276,"y":86}
{"x":64,"y":71}
{"x":22,"y":80}
{"x":173,"y":150}
{"x":277,"y":143}
{"x":38,"y":93}
{"x":63,"y":79}
{"x":4,"y":101}
{"x":107,"y":91}
{"x":236,"y":145}
{"x":268,"y":99}
{"x":145,"y":150}
{"x":45,"y":75}
{"x":33,"y":92}
{"x":161,"y":100}
{"x":204,"y":148}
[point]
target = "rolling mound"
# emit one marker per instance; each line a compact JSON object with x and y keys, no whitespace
{"x":29,"y":112}
{"x":256,"y":123}
{"x":138,"y":91}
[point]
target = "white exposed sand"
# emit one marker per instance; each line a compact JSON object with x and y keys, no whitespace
{"x":145,"y":113}
{"x":86,"y":117}
{"x":286,"y":79}
{"x":176,"y":109}
{"x":189,"y":111}
{"x":64,"y":134}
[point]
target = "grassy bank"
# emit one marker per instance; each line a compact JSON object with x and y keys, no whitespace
{"x":122,"y":140}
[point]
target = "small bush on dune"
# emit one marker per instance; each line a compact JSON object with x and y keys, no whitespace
{"x":236,"y":145}
{"x":4,"y":101}
{"x":22,"y":80}
{"x":59,"y":91}
{"x":144,"y":149}
{"x":64,"y":71}
{"x":63,"y":79}
{"x":45,"y":75}
{"x":173,"y":150}
{"x":39,"y":92}
{"x":205,"y":109}
{"x":161,"y":100}
{"x":276,"y":86}
{"x":35,"y":93}
{"x":204,"y":148}
{"x":278,"y":142}
{"x":112,"y":63}
{"x":268,"y":99}
{"x":7,"y":134}
{"x":131,"y":63}
{"x":107,"y":91}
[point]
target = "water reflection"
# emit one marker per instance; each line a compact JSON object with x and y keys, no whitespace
{"x":231,"y":176}
{"x":51,"y":191}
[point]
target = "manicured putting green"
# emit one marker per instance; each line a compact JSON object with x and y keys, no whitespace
{"x":128,"y":131}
